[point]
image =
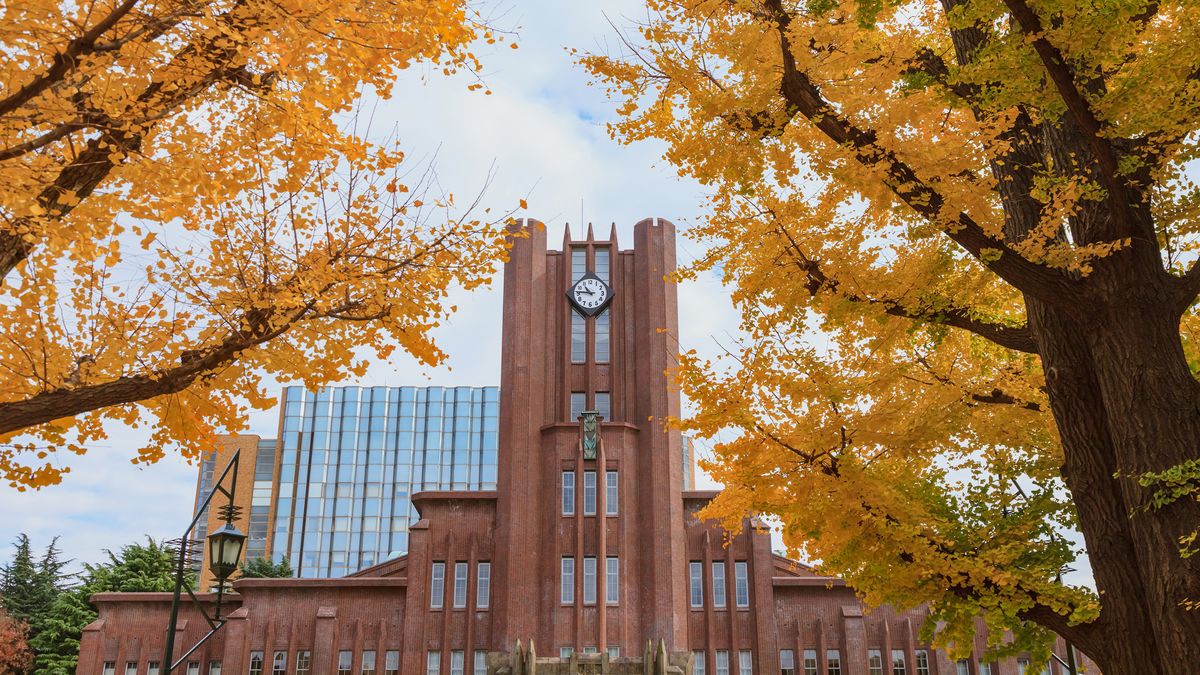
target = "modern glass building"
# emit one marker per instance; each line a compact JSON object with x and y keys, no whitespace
{"x":350,"y":459}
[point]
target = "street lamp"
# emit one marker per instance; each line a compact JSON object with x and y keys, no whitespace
{"x":224,"y":551}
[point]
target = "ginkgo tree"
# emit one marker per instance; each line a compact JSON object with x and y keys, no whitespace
{"x":189,"y":202}
{"x":961,"y":235}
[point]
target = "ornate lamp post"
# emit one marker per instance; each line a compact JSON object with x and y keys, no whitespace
{"x":224,"y":551}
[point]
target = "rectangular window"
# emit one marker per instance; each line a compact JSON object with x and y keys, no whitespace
{"x":612,"y":580}
{"x":193,"y":668}
{"x":304,"y":662}
{"x":1022,"y":667}
{"x":589,"y":493}
{"x":718,"y":582}
{"x":833,"y":662}
{"x":279,"y":664}
{"x":984,"y":668}
{"x":602,"y":264}
{"x":391,"y":663}
{"x":611,"y":493}
{"x":898,"y":665}
{"x":696,"y":584}
{"x":600,"y":346}
{"x":741,"y":584}
{"x":568,"y":493}
{"x":604,"y":404}
{"x":614,"y":652}
{"x":578,"y":405}
{"x":787,"y":662}
{"x":578,"y":341}
{"x":460,"y":585}
{"x":578,"y":263}
{"x":697,"y":663}
{"x":589,"y":580}
{"x":922,"y":662}
{"x":131,"y":668}
{"x":437,"y":585}
{"x":745,"y":663}
{"x":962,"y":667}
{"x":345,"y":662}
{"x":567,"y":581}
{"x":214,"y":668}
{"x":810,"y":662}
{"x":368,"y":662}
{"x":457,"y":662}
{"x":565,"y":652}
{"x":109,"y":668}
{"x":480,"y":665}
{"x":722,"y":662}
{"x":152,"y":668}
{"x":256,"y":663}
{"x":433,"y":663}
{"x":483,"y":585}
{"x":874,"y":662}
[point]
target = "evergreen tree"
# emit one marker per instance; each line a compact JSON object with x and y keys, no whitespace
{"x":263,"y":568}
{"x":19,"y":582}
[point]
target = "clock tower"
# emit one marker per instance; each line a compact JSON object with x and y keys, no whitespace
{"x":590,"y":520}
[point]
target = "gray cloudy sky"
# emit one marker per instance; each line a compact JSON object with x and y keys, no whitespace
{"x":543,"y":130}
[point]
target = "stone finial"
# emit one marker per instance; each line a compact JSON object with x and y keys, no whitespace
{"x":660,"y":659}
{"x":531,"y":660}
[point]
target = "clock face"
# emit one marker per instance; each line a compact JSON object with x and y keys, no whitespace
{"x":590,"y":294}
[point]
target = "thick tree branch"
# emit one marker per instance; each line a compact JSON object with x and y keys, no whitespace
{"x":64,"y":61}
{"x":1018,"y":338}
{"x":803,"y":97}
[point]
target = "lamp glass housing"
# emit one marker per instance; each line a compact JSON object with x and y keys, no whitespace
{"x":224,"y":551}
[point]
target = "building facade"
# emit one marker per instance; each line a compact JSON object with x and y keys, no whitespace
{"x":588,"y":548}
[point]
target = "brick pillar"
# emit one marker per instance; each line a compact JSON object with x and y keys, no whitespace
{"x":854,"y":660}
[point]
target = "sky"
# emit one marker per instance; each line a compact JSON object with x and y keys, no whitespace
{"x":539,"y":136}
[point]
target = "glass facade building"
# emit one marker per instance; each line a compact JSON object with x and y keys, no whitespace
{"x":350,"y":459}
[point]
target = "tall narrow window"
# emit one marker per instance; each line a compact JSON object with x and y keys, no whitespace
{"x":874,"y":662}
{"x":568,"y":493}
{"x":611,"y":494}
{"x":745,"y":663}
{"x":433,"y":663}
{"x":602,"y":268}
{"x":279,"y":664}
{"x":391,"y":663}
{"x":578,"y":405}
{"x":898,"y":665}
{"x":480,"y":665}
{"x":578,"y":339}
{"x":600,"y":348}
{"x":698,"y":662}
{"x":304,"y":662}
{"x":483,"y":585}
{"x":984,"y":668}
{"x":131,"y":667}
{"x":460,"y":585}
{"x":1022,"y":667}
{"x":589,"y":580}
{"x":718,"y":582}
{"x":612,"y":580}
{"x":578,"y":263}
{"x":787,"y":662}
{"x":921,"y":657}
{"x":833,"y":662}
{"x":962,"y":667}
{"x":345,"y":661}
{"x":152,"y":668}
{"x":567,"y":581}
{"x":722,"y":662}
{"x":604,"y":404}
{"x":810,"y":662}
{"x":368,"y":662}
{"x":193,"y":668}
{"x":214,"y":668}
{"x":437,"y":585}
{"x":589,"y":493}
{"x":741,"y":584}
{"x":109,"y":668}
{"x":256,"y":663}
{"x":696,"y":584}
{"x":457,"y":662}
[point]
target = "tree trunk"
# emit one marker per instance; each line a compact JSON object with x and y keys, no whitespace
{"x":1125,"y":404}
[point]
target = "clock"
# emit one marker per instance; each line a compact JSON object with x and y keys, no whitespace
{"x":590,"y":295}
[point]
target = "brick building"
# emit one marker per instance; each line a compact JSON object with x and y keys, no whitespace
{"x":587,"y":548}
